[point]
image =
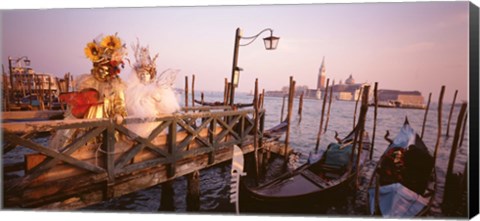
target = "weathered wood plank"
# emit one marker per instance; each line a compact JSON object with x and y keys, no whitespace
{"x":22,"y":115}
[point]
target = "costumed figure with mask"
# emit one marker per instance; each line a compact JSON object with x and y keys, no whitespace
{"x":149,"y":96}
{"x":101,"y":93}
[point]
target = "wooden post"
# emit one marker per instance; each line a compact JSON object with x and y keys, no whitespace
{"x":262,"y":99}
{"x":321,"y":117}
{"x":456,"y":139}
{"x":229,"y":88}
{"x":291,"y":94}
{"x":255,"y":129}
{"x":451,"y":111}
{"x":193,"y":194}
{"x":7,"y":94}
{"x":361,"y":121}
{"x":439,"y":121}
{"x":202,"y":98}
{"x":375,"y":97}
{"x":329,"y":104}
{"x":166,"y":199}
{"x":50,"y":98}
{"x":225,"y":93}
{"x":356,"y":105}
{"x":171,"y":145}
{"x":449,"y":186}
{"x":426,"y":112}
{"x":463,"y":130}
{"x":300,"y":106}
{"x":377,"y":194}
{"x":193,"y":91}
{"x":186,"y":91}
{"x":41,"y":92}
{"x":283,"y":107}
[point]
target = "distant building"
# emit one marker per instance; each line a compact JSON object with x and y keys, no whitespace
{"x":396,"y":98}
{"x":321,"y":76}
{"x":348,"y":91}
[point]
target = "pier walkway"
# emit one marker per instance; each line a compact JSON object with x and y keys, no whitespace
{"x":107,"y":160}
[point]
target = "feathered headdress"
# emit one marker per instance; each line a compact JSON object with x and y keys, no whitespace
{"x":107,"y":57}
{"x":143,"y":61}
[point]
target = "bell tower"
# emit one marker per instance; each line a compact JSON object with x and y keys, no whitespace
{"x":321,"y":76}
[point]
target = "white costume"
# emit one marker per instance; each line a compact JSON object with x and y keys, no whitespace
{"x":149,"y":96}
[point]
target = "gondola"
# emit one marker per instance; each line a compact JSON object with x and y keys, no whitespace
{"x":277,"y":131}
{"x":403,"y":184}
{"x":313,"y":181}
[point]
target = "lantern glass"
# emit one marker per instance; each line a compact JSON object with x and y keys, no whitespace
{"x":236,"y":77}
{"x":271,"y":42}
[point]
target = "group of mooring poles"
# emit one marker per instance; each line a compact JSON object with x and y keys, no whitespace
{"x":455,"y":184}
{"x":193,"y":91}
{"x":291,"y":95}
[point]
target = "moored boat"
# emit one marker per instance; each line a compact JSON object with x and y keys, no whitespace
{"x":313,"y":182}
{"x":403,"y":184}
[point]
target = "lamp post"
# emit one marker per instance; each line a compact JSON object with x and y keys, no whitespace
{"x":270,"y":44}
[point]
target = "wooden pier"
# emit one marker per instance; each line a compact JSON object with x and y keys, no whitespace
{"x":107,"y":160}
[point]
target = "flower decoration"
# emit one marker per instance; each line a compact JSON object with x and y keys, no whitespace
{"x":106,"y":56}
{"x":111,"y":42}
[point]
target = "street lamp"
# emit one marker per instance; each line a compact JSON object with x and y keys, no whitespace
{"x":270,"y":44}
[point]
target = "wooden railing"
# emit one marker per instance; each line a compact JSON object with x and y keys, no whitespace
{"x":104,"y":152}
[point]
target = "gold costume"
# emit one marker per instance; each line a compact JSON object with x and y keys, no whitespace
{"x":107,"y":58}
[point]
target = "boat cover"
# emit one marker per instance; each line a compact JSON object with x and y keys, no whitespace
{"x":396,"y":200}
{"x":339,"y":155}
{"x":404,"y":138}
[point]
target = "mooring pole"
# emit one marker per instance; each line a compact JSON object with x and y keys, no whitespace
{"x":451,"y":111}
{"x":356,"y":105}
{"x":463,"y":129}
{"x":439,"y":121}
{"x":229,"y":88}
{"x":262,"y":98}
{"x":291,"y":94}
{"x":361,"y":119}
{"x":449,"y":187}
{"x":329,"y":104}
{"x":225,"y":93}
{"x":300,"y":106}
{"x":193,"y":91}
{"x":193,"y":194}
{"x":321,"y":117}
{"x":255,"y":129}
{"x":375,"y":98}
{"x":426,"y":112}
{"x":186,"y":91}
{"x":166,"y":198}
{"x":283,"y":107}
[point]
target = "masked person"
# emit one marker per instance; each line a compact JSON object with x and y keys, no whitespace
{"x":100,"y":94}
{"x":149,"y":96}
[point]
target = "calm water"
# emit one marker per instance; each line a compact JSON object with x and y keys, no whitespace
{"x":214,"y":181}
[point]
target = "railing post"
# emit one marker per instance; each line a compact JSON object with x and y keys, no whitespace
{"x":172,"y":142}
{"x":212,"y":129}
{"x":241,"y":129}
{"x":108,"y":146}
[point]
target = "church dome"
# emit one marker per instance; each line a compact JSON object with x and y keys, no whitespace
{"x":350,"y":80}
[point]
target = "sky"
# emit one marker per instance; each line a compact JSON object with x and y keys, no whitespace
{"x":404,"y":46}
